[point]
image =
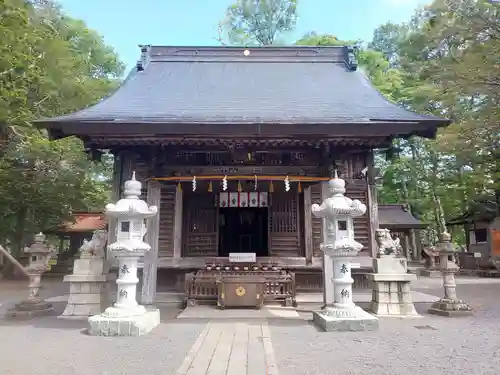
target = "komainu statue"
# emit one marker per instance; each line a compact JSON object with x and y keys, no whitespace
{"x":386,"y":244}
{"x":94,"y":247}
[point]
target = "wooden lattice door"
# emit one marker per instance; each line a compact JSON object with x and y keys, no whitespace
{"x":284,"y":224}
{"x":200,"y":225}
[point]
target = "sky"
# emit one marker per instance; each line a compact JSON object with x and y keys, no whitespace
{"x":124,"y":24}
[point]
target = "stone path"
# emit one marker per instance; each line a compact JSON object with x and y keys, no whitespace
{"x":231,"y":349}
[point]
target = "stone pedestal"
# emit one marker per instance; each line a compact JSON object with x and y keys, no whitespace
{"x":88,"y":293}
{"x":31,"y":308}
{"x":449,"y":305}
{"x":391,"y":294}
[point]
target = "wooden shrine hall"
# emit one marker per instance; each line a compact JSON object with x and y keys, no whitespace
{"x":233,"y":145}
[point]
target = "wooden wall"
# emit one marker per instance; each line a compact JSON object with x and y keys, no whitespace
{"x":284,"y":225}
{"x":167,"y":220}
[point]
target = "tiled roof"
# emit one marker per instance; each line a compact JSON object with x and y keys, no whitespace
{"x":223,"y":85}
{"x":85,"y":222}
{"x":397,"y":216}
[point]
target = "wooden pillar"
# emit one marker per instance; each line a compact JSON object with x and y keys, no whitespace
{"x":328,"y":296}
{"x":407,"y":246}
{"x":149,"y":270}
{"x":372,"y":204}
{"x":115,"y":195}
{"x":415,"y":246}
{"x":308,"y":235}
{"x":178,"y":224}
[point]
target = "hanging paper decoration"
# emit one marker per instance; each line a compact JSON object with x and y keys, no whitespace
{"x":255,"y":183}
{"x":210,"y":187}
{"x":287,"y":184}
{"x":194,"y":183}
{"x":244,"y":199}
{"x":224,"y":183}
{"x":271,"y":187}
{"x":179,"y":186}
{"x":239,"y":187}
{"x":299,"y":188}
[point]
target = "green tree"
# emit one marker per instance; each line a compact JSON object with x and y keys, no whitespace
{"x":258,"y":22}
{"x":50,"y":64}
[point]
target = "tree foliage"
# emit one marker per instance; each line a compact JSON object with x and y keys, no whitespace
{"x":258,"y":22}
{"x":50,"y":64}
{"x":444,"y":61}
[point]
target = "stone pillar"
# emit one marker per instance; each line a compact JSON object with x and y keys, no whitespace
{"x":391,"y":294}
{"x":39,"y":255}
{"x":339,"y":248}
{"x":449,"y":305}
{"x":127,"y":317}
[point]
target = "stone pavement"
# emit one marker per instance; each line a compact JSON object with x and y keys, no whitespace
{"x":283,"y":343}
{"x":231,"y":349}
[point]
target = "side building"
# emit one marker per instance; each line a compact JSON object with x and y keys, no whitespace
{"x":233,"y":145}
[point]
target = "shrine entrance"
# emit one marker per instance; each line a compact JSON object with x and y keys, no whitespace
{"x":243,"y":230}
{"x":243,"y":223}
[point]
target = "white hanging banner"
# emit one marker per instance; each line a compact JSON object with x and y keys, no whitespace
{"x":235,"y":199}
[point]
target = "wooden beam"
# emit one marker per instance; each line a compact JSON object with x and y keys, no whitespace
{"x":178,"y":224}
{"x":308,"y":236}
{"x":149,"y":271}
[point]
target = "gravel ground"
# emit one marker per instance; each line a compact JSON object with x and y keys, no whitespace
{"x":446,"y":346}
{"x":48,"y":346}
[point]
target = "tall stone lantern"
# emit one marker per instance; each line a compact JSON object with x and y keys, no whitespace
{"x":449,"y":305}
{"x":39,"y":255}
{"x":339,"y":248}
{"x":126,"y":317}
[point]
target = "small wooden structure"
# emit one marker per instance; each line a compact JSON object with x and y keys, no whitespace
{"x":401,"y":222}
{"x":476,"y":222}
{"x":235,"y":144}
{"x":202,"y":285}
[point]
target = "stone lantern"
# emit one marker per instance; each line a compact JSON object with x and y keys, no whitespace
{"x":339,"y":248}
{"x":39,"y":255}
{"x":126,"y":317}
{"x":449,"y":305}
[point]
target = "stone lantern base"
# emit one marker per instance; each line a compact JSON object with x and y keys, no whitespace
{"x":332,"y":319}
{"x":116,"y":322}
{"x":30,"y":309}
{"x":450,"y":308}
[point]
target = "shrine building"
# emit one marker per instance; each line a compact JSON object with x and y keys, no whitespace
{"x":233,"y":145}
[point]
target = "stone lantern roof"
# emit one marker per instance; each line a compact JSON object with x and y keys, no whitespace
{"x":38,"y":247}
{"x":339,"y":204}
{"x":131,"y":205}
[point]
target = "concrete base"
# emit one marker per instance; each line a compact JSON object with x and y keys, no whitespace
{"x":430,"y":273}
{"x":362,"y":321}
{"x":30,"y":309}
{"x":137,"y":325}
{"x":87,"y":298}
{"x":450,"y":308}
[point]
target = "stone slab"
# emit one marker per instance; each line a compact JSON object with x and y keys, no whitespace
{"x":450,"y":313}
{"x":212,"y":313}
{"x":364,"y":322}
{"x":127,"y":326}
{"x":391,"y":277}
{"x":430,"y":273}
{"x":389,"y":264}
{"x":29,"y":314}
